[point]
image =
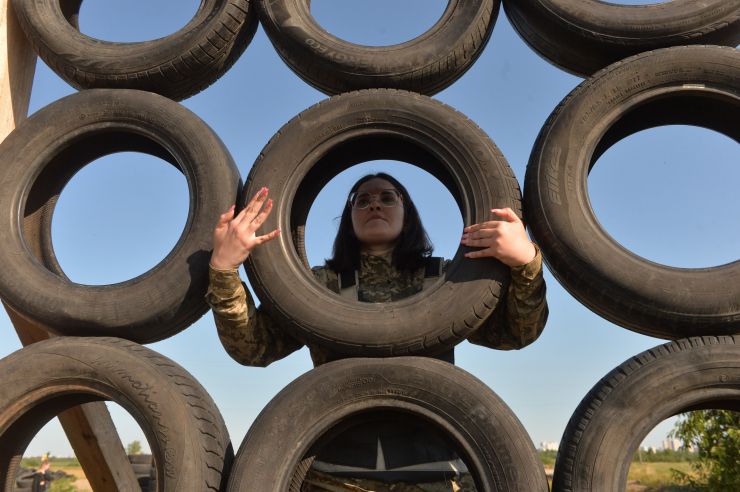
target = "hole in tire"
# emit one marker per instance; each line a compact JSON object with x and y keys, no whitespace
{"x":135,"y":20}
{"x":669,"y":194}
{"x":437,"y":208}
{"x":119,"y":217}
{"x":65,"y":472}
{"x":678,"y":449}
{"x":377,"y":448}
{"x":377,"y":22}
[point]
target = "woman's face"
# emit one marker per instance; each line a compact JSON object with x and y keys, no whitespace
{"x":377,"y":225}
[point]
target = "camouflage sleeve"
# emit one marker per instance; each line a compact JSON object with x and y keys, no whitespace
{"x":520,"y":315}
{"x":249,"y":335}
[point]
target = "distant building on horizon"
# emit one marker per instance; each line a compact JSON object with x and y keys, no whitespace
{"x":548,"y":446}
{"x":673,"y":444}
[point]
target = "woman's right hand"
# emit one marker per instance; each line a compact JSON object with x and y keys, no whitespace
{"x":235,"y":237}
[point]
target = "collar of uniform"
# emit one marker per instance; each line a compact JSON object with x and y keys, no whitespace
{"x":386,"y":257}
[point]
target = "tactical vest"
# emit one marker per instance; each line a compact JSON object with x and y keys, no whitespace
{"x":349,"y":284}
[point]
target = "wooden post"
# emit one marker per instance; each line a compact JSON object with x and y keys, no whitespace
{"x":17,"y":64}
{"x":89,"y":427}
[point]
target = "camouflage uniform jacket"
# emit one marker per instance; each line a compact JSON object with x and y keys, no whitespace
{"x":253,"y":338}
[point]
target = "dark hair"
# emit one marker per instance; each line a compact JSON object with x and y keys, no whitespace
{"x":412,"y":246}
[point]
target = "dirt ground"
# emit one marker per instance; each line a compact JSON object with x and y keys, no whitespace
{"x":81,"y":483}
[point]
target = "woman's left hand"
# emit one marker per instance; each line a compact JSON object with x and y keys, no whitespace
{"x":503,"y":239}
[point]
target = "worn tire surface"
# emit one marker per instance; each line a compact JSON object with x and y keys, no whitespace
{"x":180,"y":421}
{"x":495,"y":446}
{"x":604,"y":432}
{"x":363,"y":126}
{"x":426,"y":64}
{"x":177,"y":66}
{"x":38,"y":159}
{"x":584,"y":36}
{"x":696,"y":85}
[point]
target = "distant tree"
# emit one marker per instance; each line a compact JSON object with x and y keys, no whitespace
{"x":134,"y":447}
{"x":716,"y":436}
{"x":663,"y":456}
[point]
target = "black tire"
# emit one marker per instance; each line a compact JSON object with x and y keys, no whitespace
{"x":182,"y":424}
{"x":42,"y":155}
{"x":299,"y":475}
{"x":177,"y":66}
{"x":697,"y":85}
{"x":609,"y":424}
{"x":492,"y":441}
{"x":141,"y":470}
{"x":584,"y":36}
{"x":140,"y":459}
{"x":362,"y":126}
{"x":426,"y":64}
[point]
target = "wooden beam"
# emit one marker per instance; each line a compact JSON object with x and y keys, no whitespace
{"x":89,"y":427}
{"x":98,"y":448}
{"x":17,"y":64}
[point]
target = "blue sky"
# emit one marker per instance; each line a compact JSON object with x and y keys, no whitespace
{"x":668,"y":194}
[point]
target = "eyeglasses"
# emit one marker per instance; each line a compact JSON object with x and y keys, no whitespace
{"x":387,"y":198}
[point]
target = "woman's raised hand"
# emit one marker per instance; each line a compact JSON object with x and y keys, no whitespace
{"x":235,"y":237}
{"x":503,"y":239}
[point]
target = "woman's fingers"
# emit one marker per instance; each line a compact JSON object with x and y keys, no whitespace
{"x":479,"y":253}
{"x":228,"y":215}
{"x":225,"y":217}
{"x":267,"y":237}
{"x":480,"y":234}
{"x":491,"y":224}
{"x":507,"y":214}
{"x":261,"y":217}
{"x":253,"y":207}
{"x":478,"y":243}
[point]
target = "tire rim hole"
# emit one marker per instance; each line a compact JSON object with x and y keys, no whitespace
{"x":118,"y":218}
{"x":369,"y":23}
{"x":384,"y":444}
{"x":135,"y":20}
{"x":64,"y":467}
{"x":665,"y":449}
{"x":681,"y":209}
{"x":439,"y":212}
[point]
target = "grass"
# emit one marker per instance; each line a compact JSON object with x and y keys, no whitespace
{"x":643,"y":477}
{"x":62,"y":485}
{"x":657,"y":477}
{"x":548,"y":457}
{"x":35,"y":462}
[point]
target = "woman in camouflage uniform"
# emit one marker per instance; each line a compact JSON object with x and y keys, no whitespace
{"x":381,"y":238}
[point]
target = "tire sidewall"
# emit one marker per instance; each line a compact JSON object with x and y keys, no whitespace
{"x":297,"y":37}
{"x":601,"y":437}
{"x":422,"y":322}
{"x":633,"y":292}
{"x":498,"y":450}
{"x":156,"y":304}
{"x":584,"y":36}
{"x":127,"y":374}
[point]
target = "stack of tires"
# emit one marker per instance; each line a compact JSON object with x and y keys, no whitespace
{"x":387,"y":114}
{"x":145,"y":471}
{"x":30,"y":480}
